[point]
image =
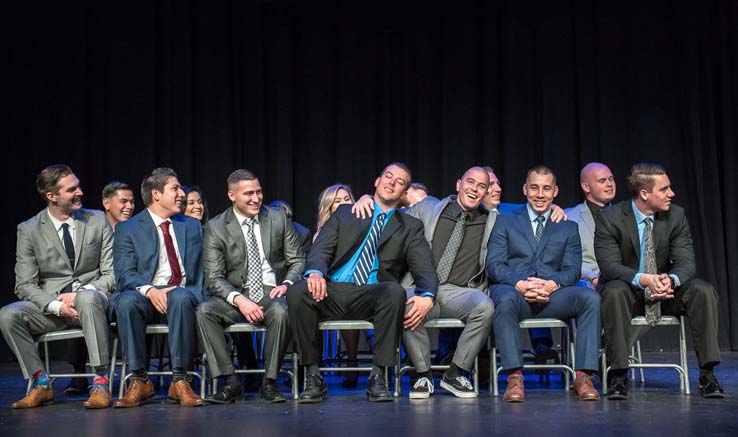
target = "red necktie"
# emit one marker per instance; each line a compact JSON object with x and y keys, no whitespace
{"x":176,"y":278}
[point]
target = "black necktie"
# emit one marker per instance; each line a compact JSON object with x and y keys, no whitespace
{"x":68,"y":244}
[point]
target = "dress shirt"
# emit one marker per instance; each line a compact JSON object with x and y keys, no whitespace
{"x":641,"y":222}
{"x":163,"y":271}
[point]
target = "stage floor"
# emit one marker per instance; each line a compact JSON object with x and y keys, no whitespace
{"x":656,"y":408}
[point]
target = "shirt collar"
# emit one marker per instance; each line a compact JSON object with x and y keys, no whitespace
{"x":639,"y":216}
{"x":58,"y":224}
{"x":241,"y":218}
{"x":532,"y":214}
{"x":157,"y":220}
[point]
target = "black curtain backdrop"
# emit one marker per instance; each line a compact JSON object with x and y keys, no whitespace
{"x":308,"y":93}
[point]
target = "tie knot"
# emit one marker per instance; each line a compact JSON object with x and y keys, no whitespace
{"x":380,"y":217}
{"x":648,"y":221}
{"x":65,"y":226}
{"x":250,"y":222}
{"x":164,"y":226}
{"x":540,"y":219}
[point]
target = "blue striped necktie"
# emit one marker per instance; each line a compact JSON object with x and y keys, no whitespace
{"x":366,"y":259}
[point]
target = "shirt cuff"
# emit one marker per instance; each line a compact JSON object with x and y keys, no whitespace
{"x":288,"y":283}
{"x":54,"y":307}
{"x":427,"y":294}
{"x":677,"y":282}
{"x":232,"y":297}
{"x":143,"y":289}
{"x":87,"y":287}
{"x":308,"y":272}
{"x":637,"y":280}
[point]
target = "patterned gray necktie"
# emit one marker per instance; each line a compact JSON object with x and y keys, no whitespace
{"x":253,"y":264}
{"x":653,"y":307}
{"x":366,"y":259}
{"x":539,"y":227}
{"x":452,"y":248}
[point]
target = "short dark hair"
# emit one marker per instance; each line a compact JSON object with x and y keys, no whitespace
{"x":542,"y":170}
{"x":48,"y":180}
{"x":241,"y":175}
{"x":284,"y":206}
{"x":641,"y":175}
{"x":156,"y":180}
{"x":113,"y":186}
{"x":403,"y":166}
{"x":419,"y":186}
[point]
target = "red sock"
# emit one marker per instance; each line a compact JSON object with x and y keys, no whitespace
{"x":100,"y":380}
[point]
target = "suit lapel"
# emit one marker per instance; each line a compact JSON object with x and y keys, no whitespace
{"x":81,"y":225}
{"x":390,"y":228}
{"x":435,"y":216}
{"x":632,"y":228}
{"x":525,"y":227}
{"x":587,"y":219}
{"x":265,"y":230}
{"x":234,"y":229}
{"x":180,"y":231}
{"x":48,"y":231}
{"x":148,"y":228}
{"x":548,"y":230}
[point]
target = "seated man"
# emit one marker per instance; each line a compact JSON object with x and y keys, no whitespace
{"x":252,"y":254}
{"x":156,"y":258}
{"x":534,"y":265}
{"x":644,"y":250}
{"x":63,"y":276}
{"x":353,"y":272}
{"x":599,"y":189}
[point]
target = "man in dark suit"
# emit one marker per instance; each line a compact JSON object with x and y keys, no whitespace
{"x":63,"y":278}
{"x":644,"y":249}
{"x":252,"y":254}
{"x":535,"y":264}
{"x":157,"y":263}
{"x":353,"y":272}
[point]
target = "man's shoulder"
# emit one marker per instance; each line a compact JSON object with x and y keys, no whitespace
{"x":92,"y":215}
{"x":574,"y":212}
{"x":33,"y":221}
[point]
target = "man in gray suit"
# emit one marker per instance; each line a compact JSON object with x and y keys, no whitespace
{"x":63,"y":275}
{"x":457,"y":229}
{"x":252,"y":254}
{"x":599,"y":189}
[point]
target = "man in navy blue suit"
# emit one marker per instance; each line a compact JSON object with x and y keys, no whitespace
{"x":535,"y":264}
{"x":159,"y":276}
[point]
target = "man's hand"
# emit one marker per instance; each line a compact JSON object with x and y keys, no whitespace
{"x":595,"y":281}
{"x":530,"y":291}
{"x":660,"y":290}
{"x":317,"y":286}
{"x":68,"y":311}
{"x":557,"y":214}
{"x":158,"y":297}
{"x":364,"y":207}
{"x":67,"y":298}
{"x":253,"y":312}
{"x":416,"y":314}
{"x":278,"y":291}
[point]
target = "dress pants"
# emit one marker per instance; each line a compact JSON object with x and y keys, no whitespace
{"x":579,"y":303}
{"x":216,"y":314}
{"x":696,"y":299}
{"x":381,"y":303}
{"x":133,"y":311}
{"x":471,"y":306}
{"x":21,"y":321}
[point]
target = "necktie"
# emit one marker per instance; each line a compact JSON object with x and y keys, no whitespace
{"x":366,"y":259}
{"x":253,"y":266}
{"x":653,"y":308}
{"x":176,"y":278}
{"x":539,"y":227}
{"x":452,"y":248}
{"x":68,"y":244}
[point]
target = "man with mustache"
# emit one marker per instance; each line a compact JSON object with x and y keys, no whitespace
{"x":158,"y":269}
{"x":353,"y":272}
{"x":644,"y":249}
{"x":118,"y":202}
{"x":63,"y":276}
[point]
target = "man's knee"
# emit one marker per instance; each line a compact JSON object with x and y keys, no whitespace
{"x":129,"y":301}
{"x":181,"y":298}
{"x":616,"y":292}
{"x":91,"y":299}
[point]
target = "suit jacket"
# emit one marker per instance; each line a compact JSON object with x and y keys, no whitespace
{"x":401,"y":248}
{"x":429,"y":211}
{"x":136,"y":252}
{"x":583,"y":216}
{"x":513,"y":254}
{"x":42,"y":268}
{"x":225,"y":256}
{"x":618,"y":248}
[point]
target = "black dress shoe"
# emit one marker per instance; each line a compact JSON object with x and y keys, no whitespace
{"x":618,"y":388}
{"x":77,"y":386}
{"x":270,"y":392}
{"x":710,"y":388}
{"x":315,"y":390}
{"x":228,"y":394}
{"x":376,"y":389}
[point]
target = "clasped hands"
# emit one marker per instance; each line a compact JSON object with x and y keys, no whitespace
{"x":536,"y":289}
{"x":660,"y":285}
{"x":253,"y":312}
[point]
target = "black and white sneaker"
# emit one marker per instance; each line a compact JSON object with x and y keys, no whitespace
{"x":459,"y":386}
{"x":422,"y":389}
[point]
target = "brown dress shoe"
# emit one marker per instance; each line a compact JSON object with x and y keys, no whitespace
{"x":180,"y":392}
{"x":138,"y":390}
{"x":38,"y":396}
{"x":515,"y":391}
{"x":99,"y":397}
{"x":583,"y":388}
